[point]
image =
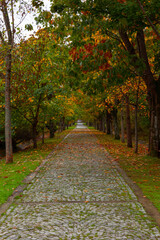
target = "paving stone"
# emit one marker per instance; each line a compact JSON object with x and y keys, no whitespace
{"x":78,"y":194}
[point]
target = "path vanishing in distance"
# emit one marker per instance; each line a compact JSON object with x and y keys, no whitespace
{"x":78,"y":194}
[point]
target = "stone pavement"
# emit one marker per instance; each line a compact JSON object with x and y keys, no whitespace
{"x":78,"y":194}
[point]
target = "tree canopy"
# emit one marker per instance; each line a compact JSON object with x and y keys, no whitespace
{"x":96,"y":60}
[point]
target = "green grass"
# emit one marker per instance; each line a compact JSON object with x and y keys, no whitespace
{"x":91,"y":128}
{"x":25,"y":162}
{"x":141,"y":168}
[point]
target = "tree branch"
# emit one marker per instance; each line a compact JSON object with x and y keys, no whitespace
{"x":114,"y":36}
{"x":1,"y":37}
{"x":148,"y":19}
{"x":22,"y":114}
{"x":146,"y":74}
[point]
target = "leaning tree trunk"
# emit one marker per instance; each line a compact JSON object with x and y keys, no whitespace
{"x":8,"y":135}
{"x":128,"y":123}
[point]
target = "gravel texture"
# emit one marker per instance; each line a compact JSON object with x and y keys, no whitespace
{"x":78,"y":194}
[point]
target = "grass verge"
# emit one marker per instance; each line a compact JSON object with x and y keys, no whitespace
{"x":25,"y":162}
{"x":142,"y":169}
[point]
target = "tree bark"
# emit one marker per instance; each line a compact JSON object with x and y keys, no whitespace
{"x":122,"y":125}
{"x":116,"y":127}
{"x":43,"y":135}
{"x":63,"y":123}
{"x":108,"y":123}
{"x":8,"y":134}
{"x":136,"y":118}
{"x":136,"y":128}
{"x":52,"y":128}
{"x":103,"y":122}
{"x":153,"y":87}
{"x":154,"y":145}
{"x":9,"y":45}
{"x":34,"y":134}
{"x":98,"y":125}
{"x":128,"y":123}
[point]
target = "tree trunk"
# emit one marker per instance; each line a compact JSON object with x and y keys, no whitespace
{"x":128,"y":123}
{"x":101,"y":123}
{"x":63,"y":124}
{"x":52,"y":134}
{"x":8,"y":135}
{"x":153,"y":87}
{"x":112,"y":127}
{"x":108,"y":123}
{"x":136,"y":129}
{"x":104,"y":121}
{"x":52,"y":128}
{"x":34,"y":135}
{"x":43,"y":135}
{"x":136,"y":118}
{"x":116,"y":127}
{"x":59,"y":127}
{"x":122,"y":126}
{"x":155,"y":126}
{"x":97,"y":125}
{"x":9,"y":45}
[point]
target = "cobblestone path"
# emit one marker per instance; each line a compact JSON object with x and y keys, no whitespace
{"x":78,"y":194}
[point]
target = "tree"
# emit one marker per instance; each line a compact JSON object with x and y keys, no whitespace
{"x":8,"y":59}
{"x":29,"y":86}
{"x":7,"y":35}
{"x":124,"y":22}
